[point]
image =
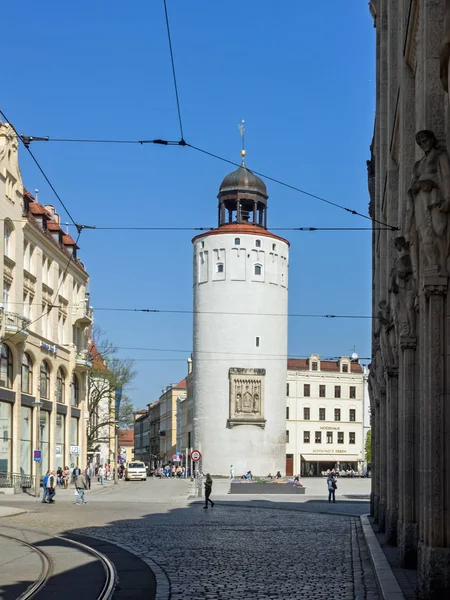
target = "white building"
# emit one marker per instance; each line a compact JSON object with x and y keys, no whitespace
{"x":240,"y":334}
{"x":324,"y":415}
{"x":45,"y":319}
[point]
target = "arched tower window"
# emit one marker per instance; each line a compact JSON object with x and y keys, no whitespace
{"x":27,"y":374}
{"x":220,"y":268}
{"x":258,"y":243}
{"x":237,"y":241}
{"x":258,"y":270}
{"x":6,"y":367}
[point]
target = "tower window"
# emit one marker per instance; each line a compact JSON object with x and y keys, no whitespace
{"x":220,"y":268}
{"x":257,"y":342}
{"x":237,"y":241}
{"x":203,"y":244}
{"x":258,"y":270}
{"x":258,"y":243}
{"x":274,"y":246}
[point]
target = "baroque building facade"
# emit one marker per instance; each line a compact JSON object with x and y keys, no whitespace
{"x":45,"y":318}
{"x":409,"y":186}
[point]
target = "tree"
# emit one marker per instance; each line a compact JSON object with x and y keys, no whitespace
{"x":108,"y":375}
{"x":369,"y":447}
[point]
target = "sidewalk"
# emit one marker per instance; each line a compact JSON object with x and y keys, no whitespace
{"x":61,"y":494}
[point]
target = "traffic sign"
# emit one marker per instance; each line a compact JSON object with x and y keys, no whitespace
{"x":196,"y":455}
{"x":37,"y":455}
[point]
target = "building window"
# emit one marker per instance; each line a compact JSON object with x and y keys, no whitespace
{"x":329,"y":437}
{"x":60,"y":439}
{"x":44,"y":380}
{"x":345,"y":368}
{"x":321,"y":414}
{"x":287,"y":436}
{"x":6,"y":437}
{"x":27,"y":374}
{"x":321,"y":391}
{"x":353,"y":391}
{"x":352,"y":437}
{"x":352,"y":414}
{"x":337,"y":391}
{"x":60,"y":387}
{"x":318,"y":437}
{"x":287,"y":412}
{"x":26,"y":434}
{"x":7,"y":247}
{"x":6,"y":367}
{"x":306,"y":414}
{"x":257,"y":342}
{"x":306,"y":390}
{"x":258,"y":243}
{"x":287,"y":389}
{"x":44,"y":425}
{"x":75,"y":391}
{"x":237,"y":241}
{"x":203,"y":244}
{"x":314,"y":366}
{"x":6,"y":295}
{"x":258,"y":270}
{"x":340,"y":437}
{"x":306,"y":437}
{"x":274,"y":246}
{"x":220,"y":268}
{"x":337,"y":414}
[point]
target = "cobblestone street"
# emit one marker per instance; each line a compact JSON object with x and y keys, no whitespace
{"x":229,"y":552}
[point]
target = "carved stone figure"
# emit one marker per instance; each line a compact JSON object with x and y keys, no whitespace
{"x":371,"y":181}
{"x":246,"y":397}
{"x":388,"y":345}
{"x":403,"y":290}
{"x":8,"y":151}
{"x":429,"y":203}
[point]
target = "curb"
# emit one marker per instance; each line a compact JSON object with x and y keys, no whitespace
{"x":387,"y":583}
{"x":7,"y":511}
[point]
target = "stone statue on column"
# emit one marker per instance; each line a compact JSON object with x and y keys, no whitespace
{"x":403,"y":291}
{"x":429,"y":205}
{"x":388,"y":345}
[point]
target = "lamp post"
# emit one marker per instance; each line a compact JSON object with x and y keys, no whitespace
{"x":37,"y":484}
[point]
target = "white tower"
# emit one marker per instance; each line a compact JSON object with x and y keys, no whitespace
{"x":240,"y":334}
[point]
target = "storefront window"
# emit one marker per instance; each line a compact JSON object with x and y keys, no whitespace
{"x":60,"y":437}
{"x":26,"y":435}
{"x":5,"y":437}
{"x":45,"y":440}
{"x":27,"y":374}
{"x":6,"y":367}
{"x":74,"y":439}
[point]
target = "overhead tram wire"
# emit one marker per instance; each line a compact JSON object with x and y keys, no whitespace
{"x":173,"y":70}
{"x":182,"y":142}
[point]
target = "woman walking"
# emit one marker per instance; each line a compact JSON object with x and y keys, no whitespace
{"x":332,"y":486}
{"x":208,"y":490}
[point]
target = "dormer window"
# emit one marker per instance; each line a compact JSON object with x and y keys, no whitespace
{"x":345,"y":368}
{"x":237,"y":241}
{"x":258,"y":243}
{"x":258,"y":270}
{"x":220,"y":268}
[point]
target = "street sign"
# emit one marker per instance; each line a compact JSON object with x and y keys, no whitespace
{"x":37,"y":455}
{"x":58,"y":451}
{"x":196,"y":455}
{"x":75,"y":450}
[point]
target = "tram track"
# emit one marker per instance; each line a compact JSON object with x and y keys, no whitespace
{"x":59,"y":555}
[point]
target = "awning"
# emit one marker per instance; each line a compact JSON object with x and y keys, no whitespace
{"x":342,"y":458}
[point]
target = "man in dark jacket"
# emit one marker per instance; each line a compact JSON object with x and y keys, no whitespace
{"x":81,"y":485}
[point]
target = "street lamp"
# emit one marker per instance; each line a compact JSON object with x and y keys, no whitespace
{"x":37,"y":484}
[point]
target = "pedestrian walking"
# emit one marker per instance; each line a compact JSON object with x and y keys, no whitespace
{"x":208,"y":490}
{"x":81,"y":485}
{"x":44,"y":487}
{"x":88,"y":477}
{"x":101,"y":475}
{"x":332,"y":487}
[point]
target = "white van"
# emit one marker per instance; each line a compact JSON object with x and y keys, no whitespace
{"x":136,"y":470}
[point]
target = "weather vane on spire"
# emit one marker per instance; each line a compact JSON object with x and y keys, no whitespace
{"x":242,"y":131}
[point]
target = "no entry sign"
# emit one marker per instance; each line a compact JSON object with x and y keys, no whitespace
{"x":196,"y":455}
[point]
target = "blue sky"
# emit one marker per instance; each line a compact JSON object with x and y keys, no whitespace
{"x":301,"y":74}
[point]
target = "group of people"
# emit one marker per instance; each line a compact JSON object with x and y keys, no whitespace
{"x":81,"y":480}
{"x":170,"y":471}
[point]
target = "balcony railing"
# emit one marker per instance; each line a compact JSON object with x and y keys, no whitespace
{"x":17,"y":325}
{"x":17,"y":481}
{"x":83,"y":359}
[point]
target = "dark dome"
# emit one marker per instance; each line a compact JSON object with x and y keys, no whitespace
{"x":243,"y":180}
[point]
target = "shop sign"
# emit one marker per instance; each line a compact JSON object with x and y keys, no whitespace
{"x":49,"y":347}
{"x":329,"y":428}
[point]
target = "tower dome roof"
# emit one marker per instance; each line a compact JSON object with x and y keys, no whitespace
{"x":243,"y":180}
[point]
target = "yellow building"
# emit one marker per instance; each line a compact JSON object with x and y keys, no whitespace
{"x":44,"y":323}
{"x":168,"y":419}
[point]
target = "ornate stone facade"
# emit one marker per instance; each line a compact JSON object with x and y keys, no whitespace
{"x":409,"y":183}
{"x":246,"y":397}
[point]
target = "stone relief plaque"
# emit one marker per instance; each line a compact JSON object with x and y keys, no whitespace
{"x":246,"y":397}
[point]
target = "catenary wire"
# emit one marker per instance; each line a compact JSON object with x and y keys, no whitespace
{"x":42,"y":171}
{"x":173,"y":69}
